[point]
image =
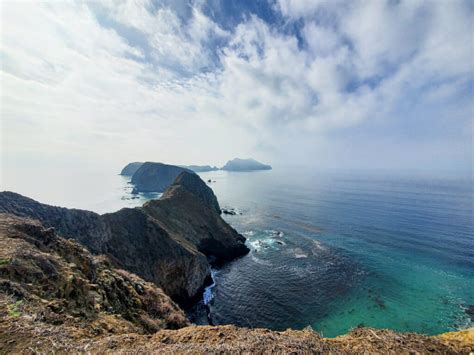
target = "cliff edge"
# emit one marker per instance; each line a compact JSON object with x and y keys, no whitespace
{"x":170,"y":242}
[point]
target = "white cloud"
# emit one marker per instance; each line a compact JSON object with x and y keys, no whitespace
{"x":72,"y":85}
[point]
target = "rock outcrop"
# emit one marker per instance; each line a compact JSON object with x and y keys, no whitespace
{"x":61,"y":282}
{"x":131,"y":168}
{"x":170,"y":241}
{"x":194,"y":184}
{"x":180,"y":213}
{"x":156,"y":177}
{"x":245,"y":165}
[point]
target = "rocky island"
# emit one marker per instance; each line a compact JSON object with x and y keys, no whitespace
{"x":76,"y":281}
{"x":238,"y":164}
{"x":155,"y":177}
{"x":146,"y":175}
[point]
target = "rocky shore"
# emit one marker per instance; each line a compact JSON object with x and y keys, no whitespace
{"x":75,"y":281}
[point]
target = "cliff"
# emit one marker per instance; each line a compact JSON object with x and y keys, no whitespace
{"x":169,"y":242}
{"x":155,"y":177}
{"x":193,"y":184}
{"x":58,"y":282}
{"x":131,"y":168}
{"x":245,"y":165}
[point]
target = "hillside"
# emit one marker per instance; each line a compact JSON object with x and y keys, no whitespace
{"x":168,"y":241}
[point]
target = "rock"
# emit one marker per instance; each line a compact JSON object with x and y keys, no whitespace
{"x":167,"y":241}
{"x":193,"y":184}
{"x":135,"y":191}
{"x":182,"y":211}
{"x":245,"y":165}
{"x":130,"y":168}
{"x":156,"y":177}
{"x":60,"y":279}
{"x":229,"y":212}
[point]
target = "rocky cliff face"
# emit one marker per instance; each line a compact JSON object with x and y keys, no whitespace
{"x":170,"y":241}
{"x":61,"y":282}
{"x":193,"y":184}
{"x":182,"y":215}
{"x":85,"y":226}
{"x":131,"y":168}
{"x":155,"y":177}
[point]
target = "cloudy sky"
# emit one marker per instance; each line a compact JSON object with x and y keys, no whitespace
{"x":335,"y":84}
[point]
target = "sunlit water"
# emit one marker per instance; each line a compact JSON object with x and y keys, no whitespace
{"x":332,"y":251}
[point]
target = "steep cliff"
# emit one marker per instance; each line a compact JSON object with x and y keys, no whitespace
{"x":181,"y":214}
{"x":170,"y":241}
{"x":131,"y":168}
{"x":193,"y":184}
{"x":155,"y":177}
{"x":61,"y":283}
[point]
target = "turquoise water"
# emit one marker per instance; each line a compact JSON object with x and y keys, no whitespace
{"x":336,"y":251}
{"x":328,"y":250}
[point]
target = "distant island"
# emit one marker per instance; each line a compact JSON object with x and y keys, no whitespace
{"x":238,"y":164}
{"x":131,"y":168}
{"x":155,"y":177}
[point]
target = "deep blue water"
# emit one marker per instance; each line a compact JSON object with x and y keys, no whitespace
{"x":334,"y":251}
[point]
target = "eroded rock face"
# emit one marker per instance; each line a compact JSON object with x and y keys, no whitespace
{"x":156,"y":177}
{"x":181,"y":213}
{"x":168,"y":241}
{"x":85,"y":226}
{"x":193,"y":184}
{"x":137,"y":242}
{"x":62,"y":280}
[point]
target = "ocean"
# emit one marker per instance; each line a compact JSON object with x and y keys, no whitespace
{"x":328,"y":250}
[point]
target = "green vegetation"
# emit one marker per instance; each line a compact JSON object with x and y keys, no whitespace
{"x":4,"y":261}
{"x":14,"y":309}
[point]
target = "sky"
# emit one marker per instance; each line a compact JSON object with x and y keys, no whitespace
{"x":334,"y":84}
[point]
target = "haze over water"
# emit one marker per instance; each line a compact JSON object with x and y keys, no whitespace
{"x":328,"y":250}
